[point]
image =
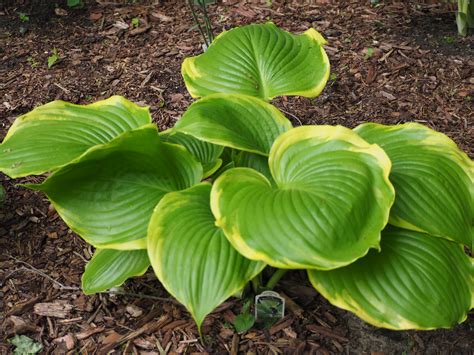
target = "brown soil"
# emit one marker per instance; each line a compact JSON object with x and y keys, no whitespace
{"x":420,"y":70}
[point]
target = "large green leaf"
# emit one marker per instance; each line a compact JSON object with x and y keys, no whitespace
{"x":110,"y":268}
{"x":433,"y":180}
{"x":259,"y":60}
{"x":415,"y":282}
{"x":56,"y":133}
{"x":107,"y":196}
{"x":331,"y":200}
{"x":207,"y":153}
{"x":236,"y":121}
{"x":254,"y":161}
{"x":191,"y":256}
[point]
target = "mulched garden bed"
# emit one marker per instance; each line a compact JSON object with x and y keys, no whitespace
{"x":397,"y":62}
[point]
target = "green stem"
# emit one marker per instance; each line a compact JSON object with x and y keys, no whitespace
{"x":256,"y":284}
{"x":210,"y":36}
{"x":277,"y":275}
{"x":196,"y":20}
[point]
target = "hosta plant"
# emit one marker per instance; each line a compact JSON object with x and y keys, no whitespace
{"x":380,"y":216}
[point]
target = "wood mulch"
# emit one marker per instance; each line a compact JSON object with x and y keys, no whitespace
{"x":417,"y":69}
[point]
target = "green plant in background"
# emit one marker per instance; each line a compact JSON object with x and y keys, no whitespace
{"x":75,"y":3}
{"x":465,"y":16}
{"x":53,"y":58}
{"x":25,"y":345}
{"x":23,"y":17}
{"x":32,"y":61}
{"x":135,"y":22}
{"x":201,"y":19}
{"x":378,"y":215}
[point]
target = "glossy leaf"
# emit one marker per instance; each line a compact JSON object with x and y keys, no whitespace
{"x":259,"y":60}
{"x":191,"y":256}
{"x":331,"y":200}
{"x":235,"y":121}
{"x":107,"y":196}
{"x":415,"y":282}
{"x":433,"y":180}
{"x":110,"y":268}
{"x":207,"y":153}
{"x":254,"y":161}
{"x":56,"y":133}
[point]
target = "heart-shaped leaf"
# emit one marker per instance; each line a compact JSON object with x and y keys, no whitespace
{"x":415,"y":282}
{"x":107,"y":196}
{"x":207,"y":153}
{"x":433,"y":180}
{"x":331,"y":200}
{"x":56,"y":133}
{"x":259,"y":60}
{"x":236,"y":121}
{"x":110,"y":268}
{"x":191,"y":256}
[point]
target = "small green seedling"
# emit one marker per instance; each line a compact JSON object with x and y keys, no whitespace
{"x":74,"y":3}
{"x":245,"y":320}
{"x":32,"y":61}
{"x":53,"y":58}
{"x":135,"y":22}
{"x":333,"y":77}
{"x":25,"y":345}
{"x":23,"y":17}
{"x":369,"y":53}
{"x":449,"y":39}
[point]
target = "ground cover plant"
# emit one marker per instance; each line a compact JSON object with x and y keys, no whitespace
{"x":107,"y":181}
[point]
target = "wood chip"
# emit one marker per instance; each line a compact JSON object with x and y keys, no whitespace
{"x":55,"y":309}
{"x":134,"y":311}
{"x":147,"y":328}
{"x":88,"y":332}
{"x":388,"y":95}
{"x":326,"y":331}
{"x":68,"y":341}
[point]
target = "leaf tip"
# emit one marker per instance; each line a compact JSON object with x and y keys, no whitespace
{"x":316,"y":36}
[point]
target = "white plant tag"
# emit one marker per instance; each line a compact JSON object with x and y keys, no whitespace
{"x":269,"y":307}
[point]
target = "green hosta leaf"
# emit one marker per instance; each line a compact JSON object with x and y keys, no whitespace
{"x":331,"y":200}
{"x":56,"y":133}
{"x":254,"y":161}
{"x":415,"y":282}
{"x":191,"y":256}
{"x":236,"y":121}
{"x":207,"y":153}
{"x":110,"y":268}
{"x":433,"y":180}
{"x":259,"y":60}
{"x":107,"y":196}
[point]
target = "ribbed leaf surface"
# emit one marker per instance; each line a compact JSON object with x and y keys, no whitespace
{"x":259,"y":60}
{"x":415,"y":282}
{"x":433,"y":180}
{"x":207,"y":153}
{"x":254,"y":161}
{"x":331,"y":200}
{"x":107,"y":196}
{"x":191,"y":256}
{"x":110,"y":268}
{"x":236,"y":121}
{"x":56,"y":133}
